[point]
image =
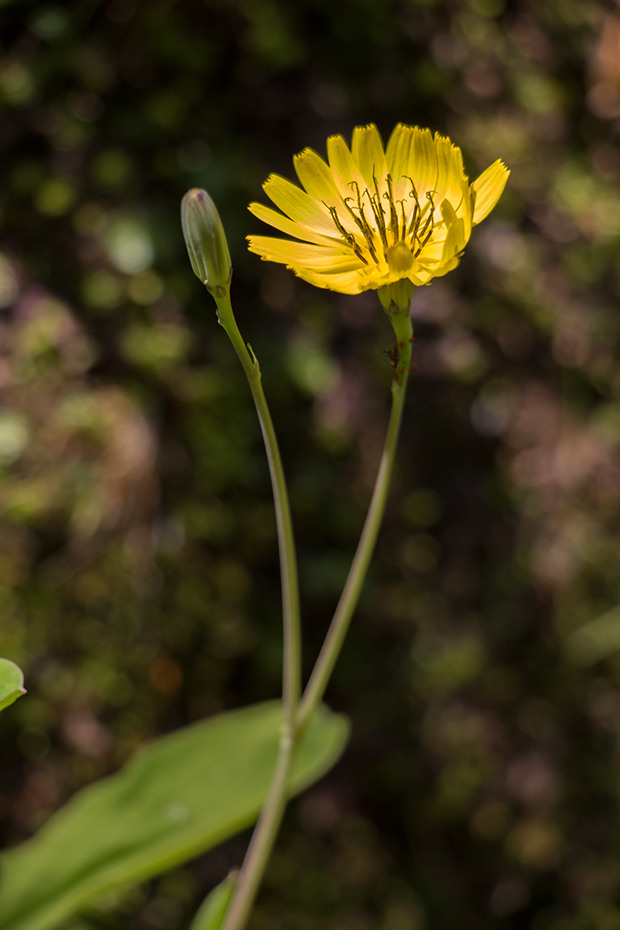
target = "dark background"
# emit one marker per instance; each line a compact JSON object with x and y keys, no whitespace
{"x":139,"y":579}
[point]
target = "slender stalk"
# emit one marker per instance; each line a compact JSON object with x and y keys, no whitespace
{"x":291,"y":684}
{"x":263,"y":838}
{"x":268,"y":824}
{"x":348,"y":601}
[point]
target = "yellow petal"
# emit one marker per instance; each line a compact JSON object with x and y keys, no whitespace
{"x":343,"y":166}
{"x":432,"y":252}
{"x":397,"y":157}
{"x":347,"y":283}
{"x":454,"y":242}
{"x":423,"y":162}
{"x":465,"y":209}
{"x":290,"y":227}
{"x":301,"y":253}
{"x":367,"y":151}
{"x":315,"y":176}
{"x":449,"y":172}
{"x":488,"y":189}
{"x":422,"y":277}
{"x":298,"y":205}
{"x":398,"y":149}
{"x":444,"y":269}
{"x":448,"y":212}
{"x":320,"y":183}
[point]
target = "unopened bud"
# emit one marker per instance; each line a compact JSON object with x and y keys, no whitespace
{"x":206,"y":240}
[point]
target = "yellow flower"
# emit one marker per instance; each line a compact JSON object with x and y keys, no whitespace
{"x":372,"y":218}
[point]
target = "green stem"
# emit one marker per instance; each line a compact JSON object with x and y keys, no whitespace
{"x":272,"y":812}
{"x":263,"y":838}
{"x":291,"y":684}
{"x":338,"y":629}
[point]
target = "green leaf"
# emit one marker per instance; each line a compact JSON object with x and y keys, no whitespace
{"x":182,"y":795}
{"x":11,"y":683}
{"x":595,"y":640}
{"x":210,"y":915}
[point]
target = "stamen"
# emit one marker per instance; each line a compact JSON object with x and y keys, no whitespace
{"x":413,"y":192}
{"x":404,"y":218}
{"x":417,"y":211}
{"x":334,"y":215}
{"x":347,"y":236}
{"x":414,"y":237}
{"x":355,"y":218}
{"x":376,"y":198}
{"x":378,"y":212}
{"x":393,"y":213}
{"x":423,"y":243}
{"x":429,"y":220}
{"x":415,"y":222}
{"x":361,"y":221}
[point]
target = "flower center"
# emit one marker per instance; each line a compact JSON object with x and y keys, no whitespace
{"x":399,"y":234}
{"x":399,"y":258}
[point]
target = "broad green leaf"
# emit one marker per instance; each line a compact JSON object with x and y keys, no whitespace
{"x":595,"y":640}
{"x":180,"y":796}
{"x":11,"y":683}
{"x":210,"y":915}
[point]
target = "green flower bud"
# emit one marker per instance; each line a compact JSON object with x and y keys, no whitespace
{"x":206,"y":241}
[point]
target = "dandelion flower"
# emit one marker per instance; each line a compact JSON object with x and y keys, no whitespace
{"x":372,"y":218}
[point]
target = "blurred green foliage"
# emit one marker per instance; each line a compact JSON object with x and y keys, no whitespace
{"x":138,"y":564}
{"x":11,"y":683}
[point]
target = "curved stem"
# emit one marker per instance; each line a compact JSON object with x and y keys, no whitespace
{"x":266,"y":829}
{"x":291,"y":684}
{"x":348,"y":601}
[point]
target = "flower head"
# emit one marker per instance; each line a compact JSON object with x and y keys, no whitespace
{"x":371,"y":218}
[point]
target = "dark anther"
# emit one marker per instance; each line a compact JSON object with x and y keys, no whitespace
{"x":347,"y":236}
{"x":423,"y":242}
{"x":393,"y":212}
{"x":334,"y":215}
{"x":378,"y":211}
{"x":361,"y":220}
{"x":422,"y":234}
{"x":404,"y":218}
